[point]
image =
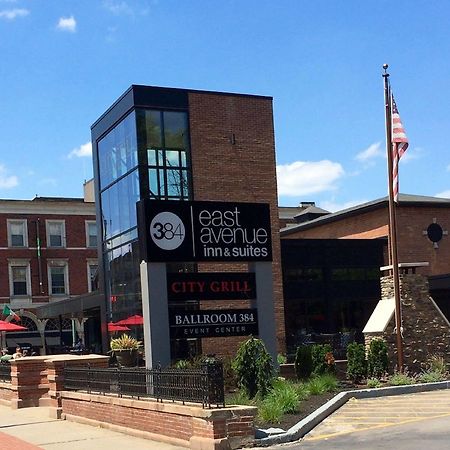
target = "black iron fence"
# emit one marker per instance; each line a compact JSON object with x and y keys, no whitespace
{"x":198,"y":385}
{"x":5,"y":372}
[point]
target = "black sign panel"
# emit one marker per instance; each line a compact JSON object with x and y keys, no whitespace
{"x":211,"y":286}
{"x":204,"y":231}
{"x":213,"y":323}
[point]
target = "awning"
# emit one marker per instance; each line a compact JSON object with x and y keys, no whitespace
{"x":70,"y":306}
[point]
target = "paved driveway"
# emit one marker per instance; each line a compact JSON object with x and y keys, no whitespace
{"x":414,"y":421}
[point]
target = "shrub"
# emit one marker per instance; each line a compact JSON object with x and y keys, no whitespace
{"x":373,"y":383}
{"x":322,"y":384}
{"x":302,"y":391}
{"x":281,"y":359}
{"x":303,"y":362}
{"x":377,"y":358}
{"x":322,"y":359}
{"x":282,"y":399}
{"x":437,"y":363}
{"x":125,"y":342}
{"x":270,"y":411}
{"x":356,"y":362}
{"x":182,"y":364}
{"x":401,"y":379}
{"x":239,"y":398}
{"x":431,"y":376}
{"x":253,"y":367}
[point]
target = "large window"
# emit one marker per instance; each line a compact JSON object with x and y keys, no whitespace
{"x":58,"y":278}
{"x":17,"y":233}
{"x":167,"y":154}
{"x":117,"y":151}
{"x":19,"y":278}
{"x":56,"y":236}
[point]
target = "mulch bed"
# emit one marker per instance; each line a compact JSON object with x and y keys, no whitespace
{"x":307,"y":407}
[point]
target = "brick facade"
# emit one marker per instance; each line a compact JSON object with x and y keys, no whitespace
{"x":233,"y":159}
{"x":75,"y":213}
{"x":412,"y":221}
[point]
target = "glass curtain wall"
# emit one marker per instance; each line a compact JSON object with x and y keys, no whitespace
{"x":145,"y":155}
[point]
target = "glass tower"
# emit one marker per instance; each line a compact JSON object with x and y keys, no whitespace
{"x":140,"y":149}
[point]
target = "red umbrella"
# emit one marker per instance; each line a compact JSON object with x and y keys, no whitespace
{"x":132,"y":320}
{"x":115,"y":327}
{"x":8,"y":326}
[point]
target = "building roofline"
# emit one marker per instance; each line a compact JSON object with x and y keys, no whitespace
{"x":172,"y":89}
{"x":404,"y":200}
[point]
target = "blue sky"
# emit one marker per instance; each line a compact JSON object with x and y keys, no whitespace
{"x":65,"y":62}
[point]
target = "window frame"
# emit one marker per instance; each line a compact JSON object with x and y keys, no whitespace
{"x":62,"y":222}
{"x":89,"y":264}
{"x":54,"y":263}
{"x":24,"y":263}
{"x":88,"y":236}
{"x":23,"y":222}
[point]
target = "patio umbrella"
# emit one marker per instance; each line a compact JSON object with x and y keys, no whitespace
{"x":132,"y":320}
{"x":8,"y":326}
{"x":112,"y":327}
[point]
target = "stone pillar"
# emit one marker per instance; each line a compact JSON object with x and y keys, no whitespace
{"x":426,"y":331}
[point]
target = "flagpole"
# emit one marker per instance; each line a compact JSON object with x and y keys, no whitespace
{"x":392,"y":221}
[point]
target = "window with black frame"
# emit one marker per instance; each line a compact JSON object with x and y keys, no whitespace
{"x":168,"y":154}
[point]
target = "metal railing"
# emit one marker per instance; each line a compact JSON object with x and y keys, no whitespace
{"x":197,"y":385}
{"x":5,"y":372}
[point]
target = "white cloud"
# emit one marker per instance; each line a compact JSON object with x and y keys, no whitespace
{"x":118,"y":7}
{"x":11,"y":14}
{"x":308,"y":177}
{"x":7,"y":181}
{"x":371,"y":152}
{"x":444,"y":194}
{"x":67,"y":24}
{"x":84,"y":150}
{"x":411,"y":154}
{"x":334,"y":206}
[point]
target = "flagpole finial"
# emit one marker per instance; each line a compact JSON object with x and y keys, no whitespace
{"x":385,"y":67}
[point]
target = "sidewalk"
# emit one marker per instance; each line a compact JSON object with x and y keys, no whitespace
{"x":32,"y":429}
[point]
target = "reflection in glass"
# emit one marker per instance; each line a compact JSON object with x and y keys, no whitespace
{"x":175,"y":129}
{"x":117,"y":151}
{"x":153,"y":127}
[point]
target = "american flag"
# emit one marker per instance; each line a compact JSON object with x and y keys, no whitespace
{"x":399,"y":146}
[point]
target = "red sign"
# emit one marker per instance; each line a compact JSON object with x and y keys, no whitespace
{"x":211,"y":286}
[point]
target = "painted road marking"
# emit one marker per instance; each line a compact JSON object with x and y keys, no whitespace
{"x":382,"y":412}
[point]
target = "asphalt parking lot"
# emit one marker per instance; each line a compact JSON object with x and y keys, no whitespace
{"x":413,"y":421}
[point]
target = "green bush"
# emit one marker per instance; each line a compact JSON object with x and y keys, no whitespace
{"x":282,"y":399}
{"x":431,"y":376}
{"x":373,"y":383}
{"x":401,"y":379}
{"x":281,"y":359}
{"x":303,"y":362}
{"x":322,"y":359}
{"x":356,"y":362}
{"x":377,"y":358}
{"x":253,"y":367}
{"x":437,"y":363}
{"x":322,"y":384}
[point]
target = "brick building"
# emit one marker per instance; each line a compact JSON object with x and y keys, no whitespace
{"x":177,"y":144}
{"x":48,"y":253}
{"x":331,"y":263}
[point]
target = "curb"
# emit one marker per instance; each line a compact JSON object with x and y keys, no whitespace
{"x":308,"y":423}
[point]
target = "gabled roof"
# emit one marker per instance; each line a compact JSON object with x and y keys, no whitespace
{"x":404,"y":199}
